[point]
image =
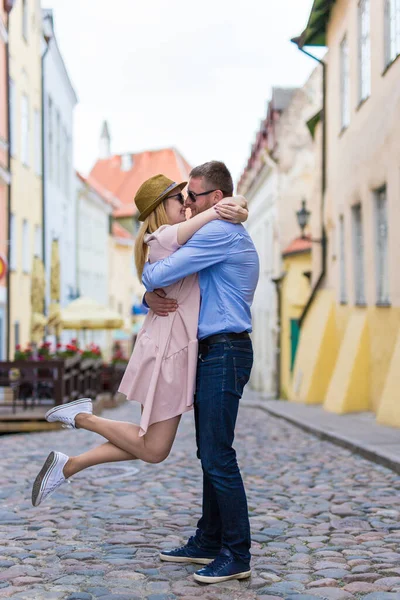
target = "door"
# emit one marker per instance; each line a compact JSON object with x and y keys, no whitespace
{"x":294,"y":340}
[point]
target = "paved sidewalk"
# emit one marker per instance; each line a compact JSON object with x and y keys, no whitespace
{"x":325,"y":522}
{"x":358,"y":432}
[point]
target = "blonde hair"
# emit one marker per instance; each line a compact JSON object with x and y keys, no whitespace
{"x":156,"y":219}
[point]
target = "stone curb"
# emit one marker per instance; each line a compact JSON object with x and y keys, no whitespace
{"x":372,"y":454}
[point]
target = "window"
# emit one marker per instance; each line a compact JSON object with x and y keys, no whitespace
{"x":25,"y":247}
{"x":344,"y":84}
{"x":25,"y":17}
{"x":381,"y":248}
{"x":13,"y":243}
{"x":38,"y":143}
{"x":16,"y":333}
{"x":25,"y":129}
{"x":358,"y":250}
{"x":58,"y":148}
{"x":50,"y":138}
{"x":364,"y":49}
{"x":38,"y":241}
{"x":392,"y":30}
{"x":342,"y":258}
{"x":13,"y":130}
{"x":65,"y":162}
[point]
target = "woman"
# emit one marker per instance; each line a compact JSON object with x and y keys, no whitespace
{"x":162,"y":369}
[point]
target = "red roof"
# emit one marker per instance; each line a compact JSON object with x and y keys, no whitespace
{"x":298,"y":245}
{"x":107,"y":174}
{"x":101,"y":191}
{"x":120,"y":232}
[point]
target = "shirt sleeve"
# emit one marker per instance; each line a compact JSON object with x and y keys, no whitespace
{"x":209,"y":246}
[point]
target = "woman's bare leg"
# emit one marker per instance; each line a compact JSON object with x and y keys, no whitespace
{"x":100,"y":455}
{"x":154,"y":447}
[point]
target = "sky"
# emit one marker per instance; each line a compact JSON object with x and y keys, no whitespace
{"x":193,"y":75}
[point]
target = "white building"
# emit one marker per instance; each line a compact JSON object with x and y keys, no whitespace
{"x":93,"y":217}
{"x":260,"y":183}
{"x":59,"y":100}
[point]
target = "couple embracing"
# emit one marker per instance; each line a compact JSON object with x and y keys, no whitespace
{"x":194,"y":350}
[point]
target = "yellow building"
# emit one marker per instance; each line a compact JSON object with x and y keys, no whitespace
{"x":348,"y":357}
{"x":125,"y":289}
{"x":25,"y":44}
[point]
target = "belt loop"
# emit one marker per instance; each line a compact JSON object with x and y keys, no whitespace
{"x":229,"y":342}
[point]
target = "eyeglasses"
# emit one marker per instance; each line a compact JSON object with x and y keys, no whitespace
{"x":180,"y":197}
{"x":193,"y":196}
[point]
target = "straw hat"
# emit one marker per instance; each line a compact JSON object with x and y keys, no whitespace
{"x":153,"y":191}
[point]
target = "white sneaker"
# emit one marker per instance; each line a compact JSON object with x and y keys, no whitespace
{"x":66,"y":413}
{"x":50,"y":478}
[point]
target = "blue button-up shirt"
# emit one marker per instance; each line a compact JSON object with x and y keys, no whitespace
{"x":226,"y":260}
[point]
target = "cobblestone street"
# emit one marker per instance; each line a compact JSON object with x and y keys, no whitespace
{"x":325,"y":523}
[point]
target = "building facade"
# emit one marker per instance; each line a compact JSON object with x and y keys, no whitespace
{"x":59,"y":101}
{"x":349,"y":353}
{"x":4,"y":175}
{"x":93,"y":217}
{"x":26,"y":222}
{"x":259,"y":184}
{"x":280,"y":174}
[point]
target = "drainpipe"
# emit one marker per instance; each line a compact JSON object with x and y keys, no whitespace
{"x":323,"y":240}
{"x":43,"y":158}
{"x":278,"y":286}
{"x":8,"y":326}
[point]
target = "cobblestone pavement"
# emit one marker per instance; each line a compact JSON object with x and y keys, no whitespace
{"x":325,"y":523}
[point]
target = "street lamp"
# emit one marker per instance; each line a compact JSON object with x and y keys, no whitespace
{"x":303,"y":216}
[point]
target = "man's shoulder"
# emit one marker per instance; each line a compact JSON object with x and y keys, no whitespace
{"x":219,"y":227}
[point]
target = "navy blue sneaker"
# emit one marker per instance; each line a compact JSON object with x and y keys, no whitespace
{"x":189,"y":553}
{"x":223,"y":568}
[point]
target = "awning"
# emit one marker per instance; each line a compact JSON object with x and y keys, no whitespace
{"x":85,"y":313}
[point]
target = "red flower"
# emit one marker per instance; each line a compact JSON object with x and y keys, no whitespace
{"x":18,"y":347}
{"x":59,"y":345}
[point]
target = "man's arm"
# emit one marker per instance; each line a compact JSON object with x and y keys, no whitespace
{"x":207,"y":247}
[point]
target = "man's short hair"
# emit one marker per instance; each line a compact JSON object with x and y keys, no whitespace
{"x":216,"y":175}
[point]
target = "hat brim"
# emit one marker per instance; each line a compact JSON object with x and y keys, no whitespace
{"x":179,"y":186}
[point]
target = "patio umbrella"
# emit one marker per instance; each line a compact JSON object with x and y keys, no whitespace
{"x":85,"y":313}
{"x":54,"y":320}
{"x":38,"y":285}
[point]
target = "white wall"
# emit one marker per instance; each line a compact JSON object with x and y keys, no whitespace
{"x":92,"y":226}
{"x":262,"y":226}
{"x":59,"y":176}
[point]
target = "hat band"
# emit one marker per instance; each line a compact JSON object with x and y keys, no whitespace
{"x":169,"y":189}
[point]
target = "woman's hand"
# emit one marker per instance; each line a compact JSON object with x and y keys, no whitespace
{"x":228,"y":210}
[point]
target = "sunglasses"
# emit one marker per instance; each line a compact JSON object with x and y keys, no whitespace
{"x":180,"y":197}
{"x":193,"y":196}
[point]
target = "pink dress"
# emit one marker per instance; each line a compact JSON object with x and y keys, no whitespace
{"x":161,"y":372}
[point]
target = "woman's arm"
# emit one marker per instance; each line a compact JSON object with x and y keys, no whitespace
{"x":233,"y":209}
{"x":229,"y":209}
{"x":187,"y":229}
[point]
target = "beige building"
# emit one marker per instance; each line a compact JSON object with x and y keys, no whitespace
{"x":349,"y":353}
{"x":25,"y":46}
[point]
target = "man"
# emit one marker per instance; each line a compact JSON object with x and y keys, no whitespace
{"x":224,"y":256}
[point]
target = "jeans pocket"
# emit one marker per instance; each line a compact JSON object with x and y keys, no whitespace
{"x":242,"y":366}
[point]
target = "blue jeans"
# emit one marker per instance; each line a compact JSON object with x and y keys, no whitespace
{"x":223,"y":369}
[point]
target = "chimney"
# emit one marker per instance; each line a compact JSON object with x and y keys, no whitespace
{"x":105,"y":142}
{"x":126,"y":162}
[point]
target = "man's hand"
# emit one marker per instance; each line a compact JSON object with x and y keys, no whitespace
{"x":231,"y":211}
{"x":159,"y":304}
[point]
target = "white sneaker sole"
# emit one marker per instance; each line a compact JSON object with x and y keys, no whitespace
{"x":183,"y":559}
{"x":204,"y":579}
{"x":57,"y":409}
{"x":45,"y":471}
